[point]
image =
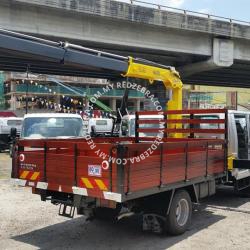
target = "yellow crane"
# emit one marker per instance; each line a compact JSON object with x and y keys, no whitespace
{"x":168,"y":76}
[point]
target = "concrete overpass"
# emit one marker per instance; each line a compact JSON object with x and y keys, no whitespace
{"x":206,"y":50}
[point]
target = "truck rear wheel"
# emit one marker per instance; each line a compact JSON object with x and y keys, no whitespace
{"x":180,"y":213}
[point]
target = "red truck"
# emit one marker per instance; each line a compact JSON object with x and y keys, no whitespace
{"x":115,"y":177}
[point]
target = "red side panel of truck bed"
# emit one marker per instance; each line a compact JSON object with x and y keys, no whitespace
{"x":113,"y":168}
{"x":66,"y":165}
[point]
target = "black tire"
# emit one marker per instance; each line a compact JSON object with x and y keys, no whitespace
{"x":181,"y":205}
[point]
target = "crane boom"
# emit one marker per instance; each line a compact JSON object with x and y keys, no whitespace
{"x":168,"y":75}
{"x":171,"y":80}
{"x":19,"y":52}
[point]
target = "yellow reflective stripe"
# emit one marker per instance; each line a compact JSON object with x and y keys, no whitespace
{"x":24,"y":174}
{"x":101,"y":184}
{"x":87,"y":183}
{"x":34,"y":176}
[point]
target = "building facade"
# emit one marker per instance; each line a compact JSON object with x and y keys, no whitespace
{"x":63,"y":94}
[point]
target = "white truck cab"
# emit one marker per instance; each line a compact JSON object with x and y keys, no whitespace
{"x":52,"y":125}
{"x":238,"y":124}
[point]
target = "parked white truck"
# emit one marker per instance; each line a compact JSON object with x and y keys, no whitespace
{"x":50,"y":125}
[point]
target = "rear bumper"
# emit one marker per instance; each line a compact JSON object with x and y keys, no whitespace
{"x":75,"y":190}
{"x":24,"y":183}
{"x":18,"y":182}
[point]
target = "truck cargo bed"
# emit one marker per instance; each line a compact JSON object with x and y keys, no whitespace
{"x":121,"y":169}
{"x":72,"y":167}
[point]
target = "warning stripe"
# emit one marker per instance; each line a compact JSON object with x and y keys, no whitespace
{"x":94,"y":183}
{"x":101,"y":184}
{"x":87,"y":183}
{"x":34,"y":176}
{"x":29,"y":175}
{"x":24,"y":174}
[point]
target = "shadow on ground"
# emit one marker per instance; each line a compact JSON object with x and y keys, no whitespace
{"x":125,"y":234}
{"x":227,"y":199}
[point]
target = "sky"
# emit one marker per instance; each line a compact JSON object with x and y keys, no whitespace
{"x":236,"y":9}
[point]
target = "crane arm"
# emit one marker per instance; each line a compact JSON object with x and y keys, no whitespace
{"x":168,"y":75}
{"x":171,"y":80}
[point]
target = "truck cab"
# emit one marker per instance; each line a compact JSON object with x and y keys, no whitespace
{"x":52,"y":125}
{"x":238,"y":123}
{"x":239,"y":144}
{"x":239,"y":131}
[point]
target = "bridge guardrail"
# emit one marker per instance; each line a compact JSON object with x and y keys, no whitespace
{"x":140,"y":11}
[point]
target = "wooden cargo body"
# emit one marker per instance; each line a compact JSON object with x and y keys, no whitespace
{"x":129,"y":168}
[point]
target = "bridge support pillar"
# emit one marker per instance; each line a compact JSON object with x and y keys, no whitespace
{"x":223,"y":56}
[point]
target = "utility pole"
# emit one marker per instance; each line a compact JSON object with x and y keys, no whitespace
{"x":27,"y":89}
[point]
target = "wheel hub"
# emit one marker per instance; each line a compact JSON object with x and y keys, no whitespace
{"x":182,"y":212}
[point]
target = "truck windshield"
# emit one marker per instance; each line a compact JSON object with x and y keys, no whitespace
{"x":48,"y":127}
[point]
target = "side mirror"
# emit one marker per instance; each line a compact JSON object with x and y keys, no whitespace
{"x":13,"y":133}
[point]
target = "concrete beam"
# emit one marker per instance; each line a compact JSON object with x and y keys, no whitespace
{"x":100,"y":30}
{"x":223,"y":56}
{"x":242,"y":50}
{"x":174,"y":46}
